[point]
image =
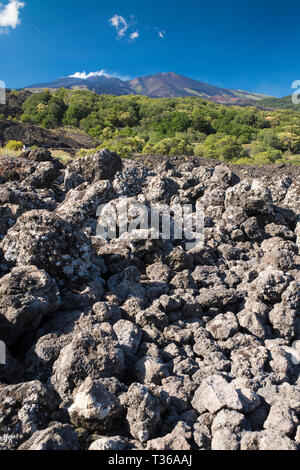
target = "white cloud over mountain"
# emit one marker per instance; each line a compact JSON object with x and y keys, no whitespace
{"x":99,"y":73}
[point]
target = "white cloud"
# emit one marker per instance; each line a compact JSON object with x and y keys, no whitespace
{"x":100,"y":73}
{"x":134,"y":35}
{"x":161,"y":34}
{"x":121,"y":25}
{"x":10,"y":15}
{"x":84,"y":75}
{"x":124,"y":27}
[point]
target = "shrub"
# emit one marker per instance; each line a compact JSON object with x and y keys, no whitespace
{"x":63,"y":157}
{"x":198,"y":150}
{"x":85,"y":152}
{"x":222,"y":147}
{"x":262,"y":158}
{"x":172,"y":146}
{"x":14,"y":145}
{"x":243,"y":161}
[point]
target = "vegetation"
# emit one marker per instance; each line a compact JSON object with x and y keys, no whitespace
{"x":170,"y":126}
{"x":14,"y":145}
{"x":279,"y":103}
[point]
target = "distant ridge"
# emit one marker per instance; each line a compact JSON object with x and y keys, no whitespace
{"x":160,"y":85}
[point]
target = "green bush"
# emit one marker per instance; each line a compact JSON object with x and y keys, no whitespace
{"x":170,"y":146}
{"x":262,"y":158}
{"x":14,"y":145}
{"x":85,"y":152}
{"x":243,"y":161}
{"x":222,"y":147}
{"x":198,"y":150}
{"x":126,"y":147}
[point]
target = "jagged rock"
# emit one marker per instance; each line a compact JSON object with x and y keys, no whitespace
{"x":95,"y":408}
{"x":281,"y":418}
{"x":129,"y":336}
{"x":267,"y":440}
{"x":27,"y":294}
{"x":43,"y":239}
{"x":230,"y":420}
{"x":209,"y":333}
{"x":107,"y":312}
{"x":225,"y":440}
{"x":83,"y":204}
{"x":55,"y":437}
{"x":94,"y":352}
{"x":103,"y":165}
{"x":216,"y":393}
{"x":223,"y":326}
{"x":144,"y":411}
{"x":25,"y":408}
{"x":180,"y":391}
{"x":177,"y":440}
{"x":150,"y":370}
{"x":270,"y":285}
{"x":252,"y":196}
{"x":110,"y":443}
{"x":126,"y":284}
{"x":253,"y":318}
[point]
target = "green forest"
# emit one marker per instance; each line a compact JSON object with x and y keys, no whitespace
{"x":171,"y":126}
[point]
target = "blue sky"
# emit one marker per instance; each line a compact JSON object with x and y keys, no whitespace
{"x":251,"y":45}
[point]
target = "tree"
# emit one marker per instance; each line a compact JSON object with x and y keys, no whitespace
{"x":44,"y":109}
{"x":290,"y":138}
{"x":170,"y":146}
{"x":201,"y":123}
{"x":269,"y":138}
{"x":222,"y":147}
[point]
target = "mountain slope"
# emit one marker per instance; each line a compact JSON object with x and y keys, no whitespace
{"x":161,"y":85}
{"x":100,"y":85}
{"x":280,"y":103}
{"x":172,"y":85}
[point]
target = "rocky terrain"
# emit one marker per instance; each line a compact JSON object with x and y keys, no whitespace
{"x":138,"y":343}
{"x":30,"y":135}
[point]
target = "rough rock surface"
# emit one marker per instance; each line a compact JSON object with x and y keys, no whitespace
{"x":142,"y":342}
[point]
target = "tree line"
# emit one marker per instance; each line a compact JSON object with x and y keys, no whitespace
{"x":170,"y":126}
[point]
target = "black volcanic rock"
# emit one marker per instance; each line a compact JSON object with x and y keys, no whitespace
{"x":142,"y":341}
{"x":30,"y":135}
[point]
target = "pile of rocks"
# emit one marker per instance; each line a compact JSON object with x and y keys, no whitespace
{"x":139,"y":343}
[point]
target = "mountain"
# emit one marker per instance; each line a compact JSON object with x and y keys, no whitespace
{"x":172,"y":85}
{"x":160,"y":85}
{"x":98,"y":84}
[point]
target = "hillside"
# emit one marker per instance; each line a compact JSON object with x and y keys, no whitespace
{"x":173,"y":85}
{"x":279,"y":103}
{"x":100,"y":85}
{"x":160,"y":85}
{"x":188,"y":126}
{"x":30,"y":135}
